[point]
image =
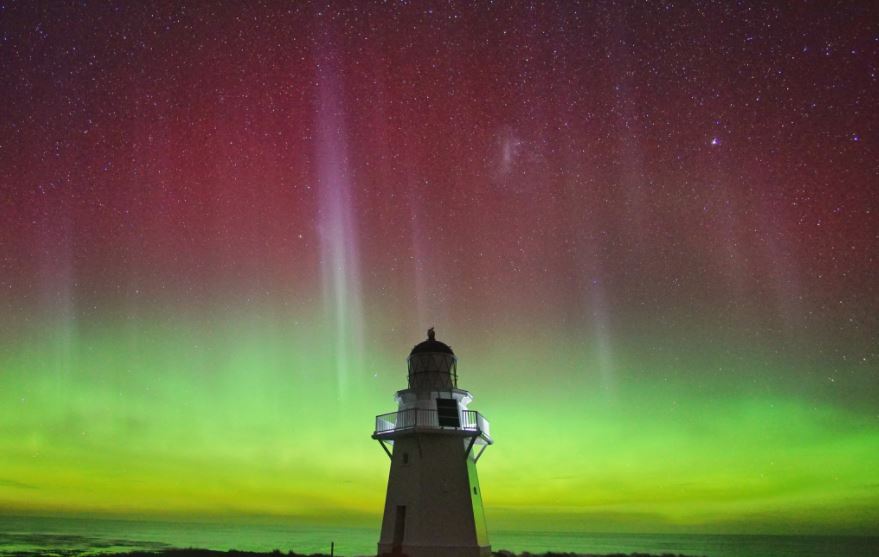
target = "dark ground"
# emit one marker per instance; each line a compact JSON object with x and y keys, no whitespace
{"x":276,"y":553}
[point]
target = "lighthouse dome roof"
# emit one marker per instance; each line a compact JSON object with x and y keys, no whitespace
{"x":431,"y":345}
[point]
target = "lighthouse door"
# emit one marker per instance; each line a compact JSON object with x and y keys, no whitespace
{"x":399,"y":529}
{"x":447,"y":412}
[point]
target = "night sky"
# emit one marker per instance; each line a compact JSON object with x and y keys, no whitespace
{"x":648,"y":231}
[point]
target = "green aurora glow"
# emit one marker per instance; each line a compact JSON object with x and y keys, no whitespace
{"x":244,"y":419}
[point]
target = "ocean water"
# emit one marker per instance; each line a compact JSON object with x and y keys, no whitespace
{"x":75,"y":537}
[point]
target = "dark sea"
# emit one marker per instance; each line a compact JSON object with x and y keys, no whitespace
{"x":75,"y":537}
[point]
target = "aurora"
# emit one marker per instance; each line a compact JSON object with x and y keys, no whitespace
{"x":648,"y":233}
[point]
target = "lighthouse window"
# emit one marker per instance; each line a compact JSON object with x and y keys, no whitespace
{"x":405,"y":458}
{"x":474,"y":490}
{"x":447,"y":412}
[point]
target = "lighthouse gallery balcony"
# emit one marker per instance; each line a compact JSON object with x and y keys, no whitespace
{"x":469,"y":422}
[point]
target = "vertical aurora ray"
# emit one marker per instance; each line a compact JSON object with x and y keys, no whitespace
{"x":428,"y":291}
{"x":337,"y":226}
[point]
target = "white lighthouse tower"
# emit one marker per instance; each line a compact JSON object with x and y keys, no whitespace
{"x":433,"y":506}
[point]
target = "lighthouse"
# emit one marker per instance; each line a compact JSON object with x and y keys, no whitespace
{"x":433,"y":506}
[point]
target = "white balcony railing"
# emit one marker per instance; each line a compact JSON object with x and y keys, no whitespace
{"x":417,"y":418}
